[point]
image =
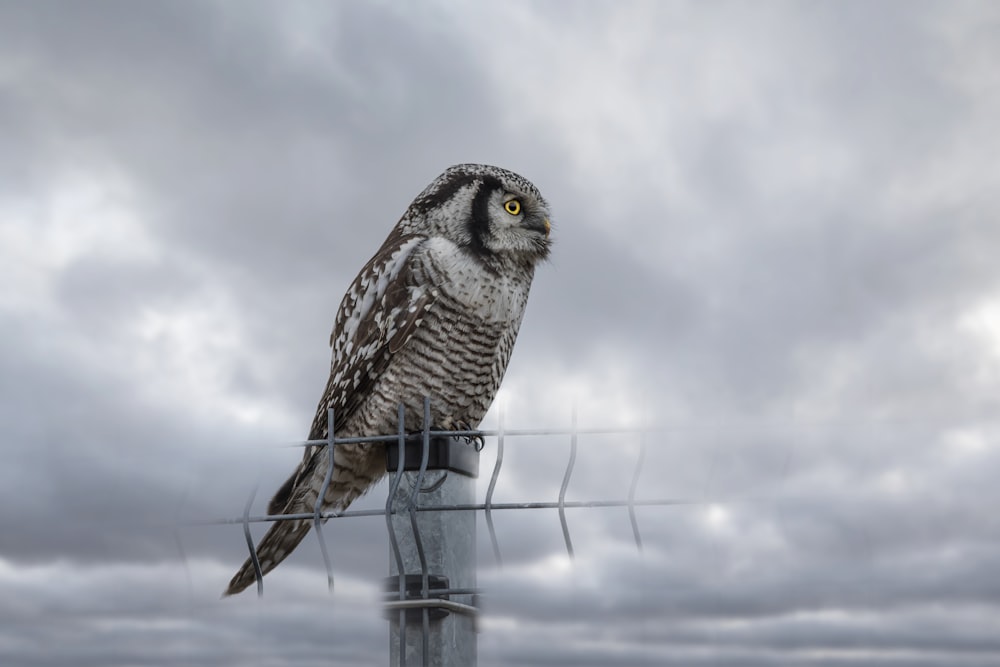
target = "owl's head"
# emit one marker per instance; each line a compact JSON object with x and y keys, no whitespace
{"x":494,"y":214}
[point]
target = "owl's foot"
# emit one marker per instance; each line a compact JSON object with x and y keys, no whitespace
{"x":476,"y":441}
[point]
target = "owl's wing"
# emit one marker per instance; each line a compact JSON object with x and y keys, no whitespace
{"x":379,"y":314}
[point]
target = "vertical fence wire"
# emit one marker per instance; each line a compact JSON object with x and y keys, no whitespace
{"x":631,"y":491}
{"x":425,"y":441}
{"x":318,"y":509}
{"x":393,"y":540}
{"x":258,"y":575}
{"x":493,"y":485}
{"x":565,"y":485}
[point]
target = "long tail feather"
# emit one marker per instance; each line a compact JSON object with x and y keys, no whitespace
{"x":279,"y":541}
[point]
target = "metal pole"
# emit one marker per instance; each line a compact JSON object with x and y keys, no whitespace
{"x":439,"y":626}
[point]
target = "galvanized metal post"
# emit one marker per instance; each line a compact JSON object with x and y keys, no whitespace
{"x":443,"y":545}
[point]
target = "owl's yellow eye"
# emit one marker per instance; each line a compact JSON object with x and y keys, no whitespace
{"x":513,"y":207}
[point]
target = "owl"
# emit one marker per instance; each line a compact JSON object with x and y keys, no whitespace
{"x":434,"y":313}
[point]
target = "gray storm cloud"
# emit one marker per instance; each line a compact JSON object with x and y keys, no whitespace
{"x":774,"y":233}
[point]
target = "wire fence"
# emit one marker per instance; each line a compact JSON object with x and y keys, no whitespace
{"x":423,"y":595}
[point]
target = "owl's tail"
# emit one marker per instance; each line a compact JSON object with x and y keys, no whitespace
{"x":279,"y":541}
{"x":357,"y":470}
{"x":283,"y":536}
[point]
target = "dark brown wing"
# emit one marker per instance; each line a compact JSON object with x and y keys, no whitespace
{"x":380,"y":312}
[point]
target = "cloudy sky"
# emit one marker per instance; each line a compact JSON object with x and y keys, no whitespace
{"x":775,"y":244}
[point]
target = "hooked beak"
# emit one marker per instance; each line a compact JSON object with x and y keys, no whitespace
{"x":539,"y":225}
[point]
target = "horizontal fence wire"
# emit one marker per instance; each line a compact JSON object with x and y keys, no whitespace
{"x":469,"y":507}
{"x":489,"y":505}
{"x":401,"y":437}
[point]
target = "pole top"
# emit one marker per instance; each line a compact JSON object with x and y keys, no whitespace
{"x":459,"y":455}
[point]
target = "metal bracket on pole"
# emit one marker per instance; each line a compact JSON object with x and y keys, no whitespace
{"x":414,"y":602}
{"x":454,"y":454}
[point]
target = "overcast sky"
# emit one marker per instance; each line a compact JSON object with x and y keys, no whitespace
{"x":776,"y":241}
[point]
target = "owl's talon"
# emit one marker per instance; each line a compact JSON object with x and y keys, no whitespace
{"x":476,"y":441}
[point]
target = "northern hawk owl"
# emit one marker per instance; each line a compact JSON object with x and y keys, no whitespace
{"x":434,"y":313}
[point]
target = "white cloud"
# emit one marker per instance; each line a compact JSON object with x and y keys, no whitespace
{"x":93,"y":215}
{"x":982,"y":322}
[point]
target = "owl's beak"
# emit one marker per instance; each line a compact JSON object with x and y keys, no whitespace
{"x":541,"y":225}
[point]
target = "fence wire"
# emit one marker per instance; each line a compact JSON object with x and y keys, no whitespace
{"x":431,"y":598}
